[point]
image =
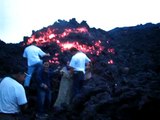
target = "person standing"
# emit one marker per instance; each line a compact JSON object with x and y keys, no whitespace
{"x":13,"y":99}
{"x":65,"y":90}
{"x":77,"y":68}
{"x":33,"y":54}
{"x":44,"y":93}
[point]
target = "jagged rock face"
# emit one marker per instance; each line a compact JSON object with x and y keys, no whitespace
{"x":125,"y":82}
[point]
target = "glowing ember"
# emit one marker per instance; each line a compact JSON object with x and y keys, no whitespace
{"x":56,"y":54}
{"x":111,"y":50}
{"x":67,"y":45}
{"x":51,"y":36}
{"x":82,"y":30}
{"x":110,"y":61}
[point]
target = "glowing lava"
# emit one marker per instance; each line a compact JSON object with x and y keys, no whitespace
{"x":62,"y":40}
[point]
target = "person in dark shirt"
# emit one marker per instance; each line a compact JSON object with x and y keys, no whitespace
{"x":44,"y":89}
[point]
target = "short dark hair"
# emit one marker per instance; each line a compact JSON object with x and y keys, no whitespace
{"x":34,"y":42}
{"x":46,"y":59}
{"x":17,"y":69}
{"x":73,"y":49}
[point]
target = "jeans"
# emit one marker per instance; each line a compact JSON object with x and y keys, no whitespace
{"x":43,"y":100}
{"x":30,"y":71}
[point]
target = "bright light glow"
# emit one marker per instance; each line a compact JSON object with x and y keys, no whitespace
{"x":50,"y":36}
{"x":19,"y":17}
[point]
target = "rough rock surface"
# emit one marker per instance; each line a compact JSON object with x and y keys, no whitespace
{"x":128,"y":89}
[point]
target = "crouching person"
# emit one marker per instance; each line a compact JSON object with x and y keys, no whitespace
{"x":13,"y":101}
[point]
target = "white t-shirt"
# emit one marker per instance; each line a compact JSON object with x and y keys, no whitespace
{"x":78,"y":61}
{"x":33,"y":53}
{"x":12,"y":94}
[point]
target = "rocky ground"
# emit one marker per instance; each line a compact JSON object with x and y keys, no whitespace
{"x":128,"y":89}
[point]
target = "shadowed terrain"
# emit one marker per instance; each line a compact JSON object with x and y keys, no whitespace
{"x":125,"y":69}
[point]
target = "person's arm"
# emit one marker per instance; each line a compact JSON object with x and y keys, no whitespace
{"x":24,"y":54}
{"x":71,"y":65}
{"x":39,"y":77}
{"x":42,"y":53}
{"x":23,"y":107}
{"x":88,"y":65}
{"x":47,"y":54}
{"x":71,"y":69}
{"x":21,"y":99}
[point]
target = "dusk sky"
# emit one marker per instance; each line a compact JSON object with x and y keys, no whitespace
{"x":19,"y":17}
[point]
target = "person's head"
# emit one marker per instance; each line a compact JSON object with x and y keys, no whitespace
{"x":34,"y":43}
{"x":46,"y":63}
{"x":18,"y":72}
{"x":74,"y":50}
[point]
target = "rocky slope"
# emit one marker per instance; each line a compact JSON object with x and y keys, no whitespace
{"x":125,"y":74}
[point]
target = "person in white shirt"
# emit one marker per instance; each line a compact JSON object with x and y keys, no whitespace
{"x":33,"y":54}
{"x":78,"y":65}
{"x":12,"y":94}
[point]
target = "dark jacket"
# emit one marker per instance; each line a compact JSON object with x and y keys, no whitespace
{"x":44,"y":77}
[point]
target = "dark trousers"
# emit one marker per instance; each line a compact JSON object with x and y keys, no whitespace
{"x":44,"y":100}
{"x":78,"y":79}
{"x":4,"y":116}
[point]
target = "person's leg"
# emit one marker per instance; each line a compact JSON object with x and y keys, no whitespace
{"x":48,"y":101}
{"x":7,"y":117}
{"x":80,"y":82}
{"x":29,"y":75}
{"x":40,"y":101}
{"x":37,"y":67}
{"x":78,"y":78}
{"x":30,"y":71}
{"x":75,"y":84}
